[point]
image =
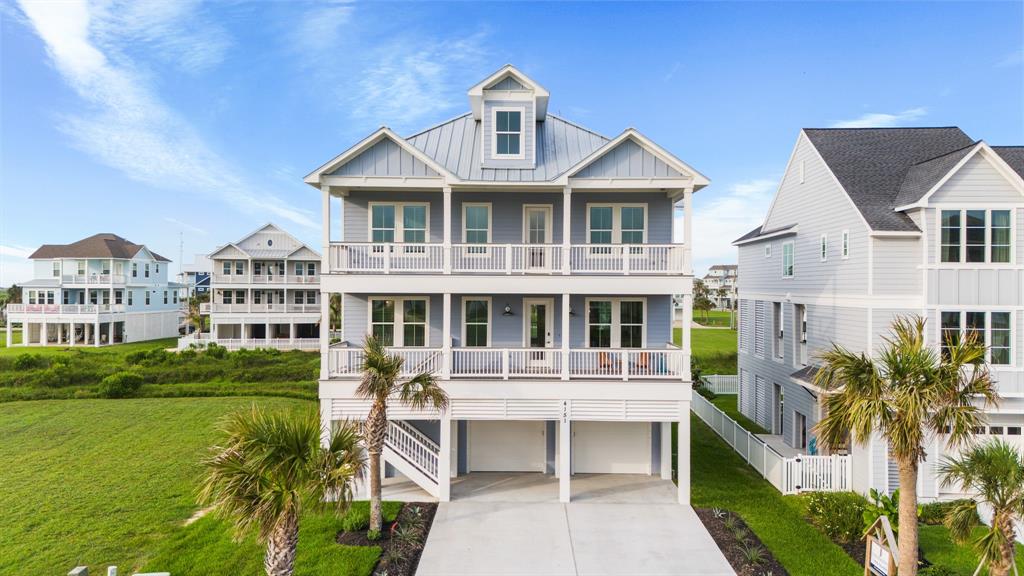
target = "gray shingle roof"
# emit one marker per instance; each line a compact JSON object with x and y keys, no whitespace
{"x":871,"y":164}
{"x":923,"y":176}
{"x":756,"y":232}
{"x":96,"y":246}
{"x":455,"y":144}
{"x":1012,"y":155}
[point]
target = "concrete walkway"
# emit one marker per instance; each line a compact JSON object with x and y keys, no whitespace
{"x":512,"y":524}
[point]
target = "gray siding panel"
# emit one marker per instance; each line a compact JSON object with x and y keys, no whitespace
{"x":627,"y":160}
{"x":897,"y":264}
{"x":385,"y":158}
{"x":659,"y":213}
{"x":507,"y":214}
{"x":975,"y":180}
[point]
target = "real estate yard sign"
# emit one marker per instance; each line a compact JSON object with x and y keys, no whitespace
{"x":882,"y":553}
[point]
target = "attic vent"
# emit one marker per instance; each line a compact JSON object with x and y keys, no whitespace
{"x":270,"y":242}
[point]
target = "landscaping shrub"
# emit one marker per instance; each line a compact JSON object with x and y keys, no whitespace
{"x":839,"y":515}
{"x":30,"y":362}
{"x":935,"y":513}
{"x":937,"y":570}
{"x":356,"y":519}
{"x":882,"y":504}
{"x":120,"y":385}
{"x":214,"y":351}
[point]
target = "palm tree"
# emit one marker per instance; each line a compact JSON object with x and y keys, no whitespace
{"x":194,"y":316}
{"x":381,"y":382}
{"x":907,"y":393}
{"x":994,"y":471}
{"x":271,"y":466}
{"x":335,"y":305}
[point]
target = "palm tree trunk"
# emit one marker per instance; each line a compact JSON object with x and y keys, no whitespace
{"x":280,"y":559}
{"x":375,"y":433}
{"x":908,"y":540}
{"x":1002,"y":567}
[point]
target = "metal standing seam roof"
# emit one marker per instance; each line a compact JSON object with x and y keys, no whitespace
{"x":455,"y":144}
{"x":871,"y":164}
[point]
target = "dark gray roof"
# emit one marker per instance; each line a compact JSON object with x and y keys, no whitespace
{"x":455,"y":144}
{"x":871,"y":164}
{"x":96,"y":246}
{"x":756,"y":232}
{"x":923,"y":176}
{"x":1012,"y":155}
{"x":805,"y":374}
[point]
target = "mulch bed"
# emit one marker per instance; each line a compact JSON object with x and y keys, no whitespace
{"x":729,"y":546}
{"x":397,"y":558}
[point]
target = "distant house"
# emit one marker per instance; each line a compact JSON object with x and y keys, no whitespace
{"x":100,"y":290}
{"x":721,"y":284}
{"x":196,"y":275}
{"x":868,"y":225}
{"x":529,"y":263}
{"x":264,"y":293}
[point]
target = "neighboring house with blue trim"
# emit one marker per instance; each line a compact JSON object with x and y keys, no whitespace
{"x":529,"y":262}
{"x":871,"y":224}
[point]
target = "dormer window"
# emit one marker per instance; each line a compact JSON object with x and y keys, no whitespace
{"x":508,"y":132}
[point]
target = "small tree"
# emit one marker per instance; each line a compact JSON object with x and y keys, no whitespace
{"x":994,"y":471}
{"x":381,"y":382}
{"x":335,"y":304}
{"x":271,"y":466}
{"x":909,"y":392}
{"x":194,"y":314}
{"x":702,"y":297}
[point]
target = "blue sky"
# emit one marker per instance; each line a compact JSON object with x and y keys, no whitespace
{"x":150,"y":119}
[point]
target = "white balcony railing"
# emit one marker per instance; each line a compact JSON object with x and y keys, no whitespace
{"x":504,"y":363}
{"x":264,"y":279}
{"x":202,"y":340}
{"x":57,"y":309}
{"x":616,"y":259}
{"x":261,"y":307}
{"x":93,"y":278}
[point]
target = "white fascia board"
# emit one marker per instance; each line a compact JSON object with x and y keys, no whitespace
{"x":894,"y":234}
{"x":698,"y":179}
{"x":632,"y":183}
{"x":213,"y":254}
{"x":314,"y":177}
{"x":637,"y":285}
{"x":784,"y":232}
{"x":476,"y":93}
{"x":536,"y":388}
{"x":405,"y":182}
{"x":989,"y":154}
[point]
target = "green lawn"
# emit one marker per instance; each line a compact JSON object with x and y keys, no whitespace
{"x":712,"y":317}
{"x":99,"y":482}
{"x":15,"y":337}
{"x":115,"y":351}
{"x":727,"y":403}
{"x":713,"y":348}
{"x":940,"y":549}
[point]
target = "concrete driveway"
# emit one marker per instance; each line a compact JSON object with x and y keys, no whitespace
{"x":617,"y":524}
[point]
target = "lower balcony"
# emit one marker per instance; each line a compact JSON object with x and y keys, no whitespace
{"x":64,"y":309}
{"x":505,"y":363}
{"x":208,"y":307}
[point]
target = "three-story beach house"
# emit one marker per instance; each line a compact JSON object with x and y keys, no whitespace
{"x":868,"y":225}
{"x":264,"y":293}
{"x":721,"y":284}
{"x":530,"y":264}
{"x":100,"y":290}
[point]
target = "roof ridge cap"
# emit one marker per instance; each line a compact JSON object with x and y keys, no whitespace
{"x":962,"y":148}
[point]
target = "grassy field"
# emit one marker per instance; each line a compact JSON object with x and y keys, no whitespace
{"x":713,"y":348}
{"x":712,"y":317}
{"x":115,"y":351}
{"x":727,"y":403}
{"x":15,"y":338}
{"x":100,"y":482}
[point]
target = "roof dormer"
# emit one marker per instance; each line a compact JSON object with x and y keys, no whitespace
{"x":508,"y":105}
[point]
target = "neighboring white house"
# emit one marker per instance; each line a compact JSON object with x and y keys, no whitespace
{"x":529,"y":263}
{"x":100,"y":290}
{"x":868,"y":225}
{"x":721,"y":283}
{"x":264,"y":293}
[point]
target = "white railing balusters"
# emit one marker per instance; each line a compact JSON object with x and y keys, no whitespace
{"x":414,"y":447}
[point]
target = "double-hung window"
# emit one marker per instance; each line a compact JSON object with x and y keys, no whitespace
{"x":239,"y":267}
{"x":67,"y":297}
{"x":226,"y":268}
{"x":56,"y":268}
{"x":310,"y":268}
{"x":299,"y":268}
{"x":787,"y":259}
{"x":477,"y":323}
{"x":975,"y":236}
{"x":508,"y":133}
{"x":147,"y":298}
{"x":81,"y":268}
{"x":165,"y":296}
{"x":239,"y":296}
{"x":993,"y":329}
{"x":399,"y":322}
{"x":130,"y":297}
{"x":297,"y":297}
{"x":135,"y":270}
{"x":615,"y":323}
{"x":616,"y":224}
{"x":404,"y":223}
{"x":147,"y":270}
{"x":476,"y":227}
{"x":310,"y":296}
{"x":382,"y":223}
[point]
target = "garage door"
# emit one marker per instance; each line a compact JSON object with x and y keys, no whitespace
{"x":507,"y":446}
{"x":611,"y":447}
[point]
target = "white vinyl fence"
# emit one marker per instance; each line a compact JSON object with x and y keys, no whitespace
{"x":789,"y":475}
{"x":722,"y":383}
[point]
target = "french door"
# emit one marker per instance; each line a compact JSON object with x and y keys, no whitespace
{"x":539,"y":330}
{"x":537,"y":230}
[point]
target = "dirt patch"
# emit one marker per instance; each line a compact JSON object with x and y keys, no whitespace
{"x":199,"y":514}
{"x":734,"y":538}
{"x":401,"y":542}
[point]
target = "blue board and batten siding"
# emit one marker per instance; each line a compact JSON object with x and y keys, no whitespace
{"x":628,"y":160}
{"x":385,"y":158}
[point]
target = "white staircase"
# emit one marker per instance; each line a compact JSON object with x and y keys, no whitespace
{"x":412,"y":454}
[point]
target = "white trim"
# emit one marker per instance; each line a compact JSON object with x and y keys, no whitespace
{"x":398,"y":322}
{"x":314,"y":178}
{"x":987,"y":333}
{"x":990,"y":155}
{"x":490,"y":218}
{"x":790,"y":230}
{"x":399,"y":229}
{"x":792,"y":246}
{"x":616,"y":335}
{"x":699,"y":180}
{"x":986,"y":263}
{"x":522,"y":133}
{"x":490,"y":319}
{"x":549,"y":320}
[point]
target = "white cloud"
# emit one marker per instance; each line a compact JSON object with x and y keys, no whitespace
{"x":184,"y":225}
{"x":1014,"y":58}
{"x":319,"y":28}
{"x":403,"y":84}
{"x":720,"y":217}
{"x":14,"y":270}
{"x":15,"y":251}
{"x":127,"y":125}
{"x":882,"y":120}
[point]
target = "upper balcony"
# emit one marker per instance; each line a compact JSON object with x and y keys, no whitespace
{"x":104,"y":279}
{"x":508,"y":259}
{"x":64,"y":309}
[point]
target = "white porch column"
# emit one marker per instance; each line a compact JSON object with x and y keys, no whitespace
{"x":446,"y":242}
{"x":688,"y":229}
{"x":60,"y":333}
{"x":683,"y":453}
{"x":291,"y":331}
{"x":666,"y":450}
{"x":566,"y":228}
{"x":446,"y":336}
{"x":44,"y":337}
{"x":444,"y":459}
{"x":565,"y":337}
{"x":96,"y":333}
{"x":564,"y":459}
{"x":325,"y":268}
{"x":325,"y":331}
{"x":10,"y":332}
{"x":266,"y":331}
{"x":685,"y":343}
{"x":71,"y":337}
